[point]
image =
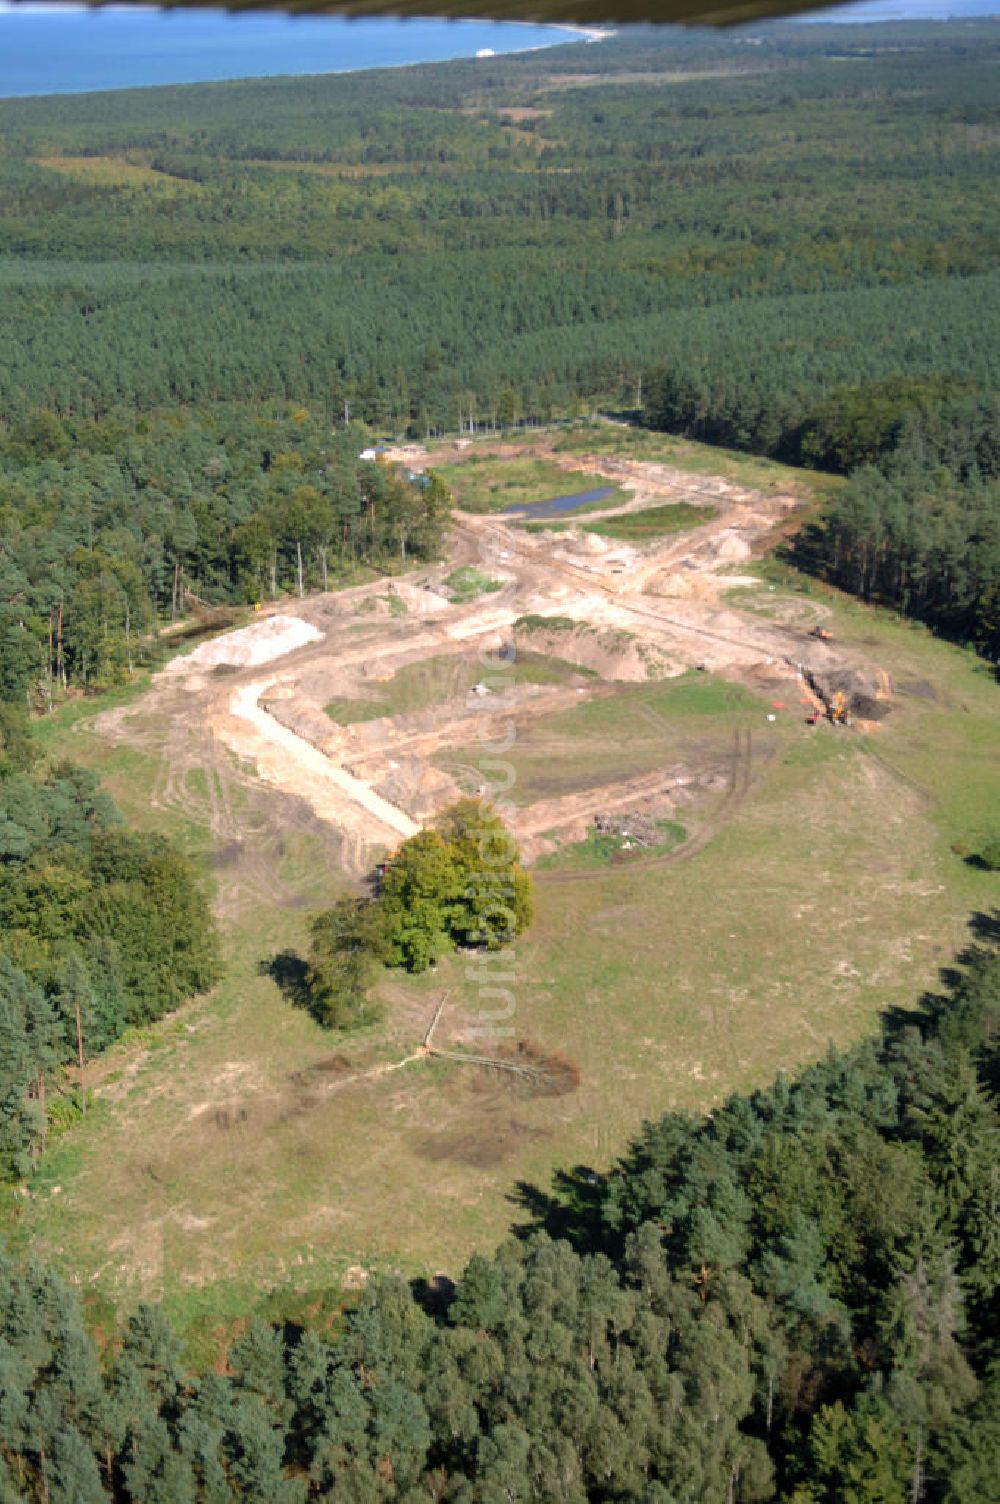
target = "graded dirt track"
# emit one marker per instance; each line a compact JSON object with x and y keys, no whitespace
{"x":611,"y":612}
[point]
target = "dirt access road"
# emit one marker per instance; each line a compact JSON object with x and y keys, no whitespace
{"x":249,"y":707}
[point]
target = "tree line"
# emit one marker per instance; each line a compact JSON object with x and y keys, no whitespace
{"x":108,"y":526}
{"x":102,"y":929}
{"x":793,"y":1299}
{"x":919,"y":539}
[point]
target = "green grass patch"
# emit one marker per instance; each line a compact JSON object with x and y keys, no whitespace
{"x":495,"y":483}
{"x":468,"y":582}
{"x":542,"y":527}
{"x":640,"y":527}
{"x":49,"y":731}
{"x":674,"y":699}
{"x":395,"y":603}
{"x":548,"y":624}
{"x":345,"y":712}
{"x":600,"y":848}
{"x":546,"y":668}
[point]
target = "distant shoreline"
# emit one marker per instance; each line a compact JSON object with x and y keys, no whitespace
{"x":81,"y":52}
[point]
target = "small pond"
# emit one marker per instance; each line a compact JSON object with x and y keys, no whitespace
{"x":557,"y":506}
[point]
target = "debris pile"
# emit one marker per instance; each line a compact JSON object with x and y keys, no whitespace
{"x":261,"y":642}
{"x":633,"y":828}
{"x":544,"y":1072}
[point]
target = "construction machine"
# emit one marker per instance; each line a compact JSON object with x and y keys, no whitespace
{"x":837,"y":709}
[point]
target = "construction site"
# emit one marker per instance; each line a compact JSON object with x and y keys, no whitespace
{"x":300,"y":695}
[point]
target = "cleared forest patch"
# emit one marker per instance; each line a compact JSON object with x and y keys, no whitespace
{"x":239,"y":1149}
{"x":113,"y":172}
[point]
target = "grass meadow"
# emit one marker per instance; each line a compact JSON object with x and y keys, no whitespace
{"x":230,"y":1163}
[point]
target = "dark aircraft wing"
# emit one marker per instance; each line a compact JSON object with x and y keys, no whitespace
{"x":597,"y":13}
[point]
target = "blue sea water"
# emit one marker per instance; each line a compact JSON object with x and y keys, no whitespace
{"x":43,"y":51}
{"x":62,"y":50}
{"x":908,"y":10}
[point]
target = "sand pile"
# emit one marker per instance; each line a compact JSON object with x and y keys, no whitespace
{"x":259,"y":643}
{"x":732,"y":546}
{"x":417,"y":787}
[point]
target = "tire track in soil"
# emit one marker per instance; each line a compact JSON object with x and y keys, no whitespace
{"x":249,"y":847}
{"x":740,"y":783}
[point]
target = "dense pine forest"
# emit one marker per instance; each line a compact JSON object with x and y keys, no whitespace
{"x":774,"y":215}
{"x":794,"y":1299}
{"x":783,"y":240}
